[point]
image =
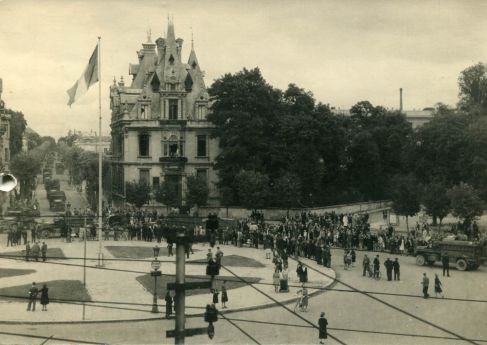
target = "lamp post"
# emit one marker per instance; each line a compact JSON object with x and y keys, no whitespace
{"x":156,"y":264}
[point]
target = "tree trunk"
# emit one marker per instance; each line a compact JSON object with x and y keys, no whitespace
{"x":407,"y":225}
{"x":439,"y":229}
{"x":435,"y":220}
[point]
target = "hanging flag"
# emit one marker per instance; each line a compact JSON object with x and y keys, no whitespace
{"x":88,"y":78}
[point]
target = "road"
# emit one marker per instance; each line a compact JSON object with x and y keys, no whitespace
{"x":75,"y":198}
{"x":354,"y":318}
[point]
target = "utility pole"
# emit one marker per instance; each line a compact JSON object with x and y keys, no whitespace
{"x":180,"y":292}
{"x":180,"y":286}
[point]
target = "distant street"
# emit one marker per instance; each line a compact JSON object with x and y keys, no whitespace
{"x":75,"y":198}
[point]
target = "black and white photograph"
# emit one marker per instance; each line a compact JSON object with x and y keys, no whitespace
{"x":243,"y":172}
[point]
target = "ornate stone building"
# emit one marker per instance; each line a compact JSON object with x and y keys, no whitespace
{"x":159,"y":123}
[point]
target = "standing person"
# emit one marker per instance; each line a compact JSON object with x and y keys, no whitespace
{"x":35,"y":251}
{"x":396,"y":267}
{"x":377,"y":267}
{"x":44,"y":251}
{"x":366,"y":264}
{"x":276,"y":280}
{"x":445,"y":261}
{"x":354,"y":257}
{"x":169,"y":248}
{"x":322,"y":324}
{"x":224,"y":294}
{"x":44,"y":297}
{"x":33,"y":291}
{"x":215,"y":296}
{"x":209,"y":255}
{"x":169,"y":301}
{"x":389,"y":265}
{"x":438,"y":289}
{"x":219,"y":256}
{"x":27,"y":251}
{"x":33,"y":233}
{"x":425,"y":283}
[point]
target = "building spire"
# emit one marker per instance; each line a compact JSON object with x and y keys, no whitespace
{"x":149,"y":32}
{"x":192,"y":39}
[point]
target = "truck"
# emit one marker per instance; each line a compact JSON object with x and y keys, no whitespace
{"x":466,"y":255}
{"x":57,"y":201}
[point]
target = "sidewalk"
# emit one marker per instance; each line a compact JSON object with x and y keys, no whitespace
{"x":124,"y":289}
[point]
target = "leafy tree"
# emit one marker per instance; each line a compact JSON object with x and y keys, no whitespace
{"x":472,"y":85}
{"x":18,"y":125}
{"x":287,"y":190}
{"x":245,"y":112}
{"x":89,"y":173}
{"x":197,"y":194}
{"x":137,"y":194}
{"x":466,"y":203}
{"x":25,"y":166}
{"x":436,"y":201}
{"x":33,"y":139}
{"x":253,"y":189}
{"x":167,"y":194}
{"x":439,"y":150}
{"x":405,"y":196}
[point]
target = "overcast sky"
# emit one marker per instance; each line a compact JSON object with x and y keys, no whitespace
{"x":342,"y":51}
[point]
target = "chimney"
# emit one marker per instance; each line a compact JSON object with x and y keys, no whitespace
{"x":179,"y":47}
{"x":400,"y":99}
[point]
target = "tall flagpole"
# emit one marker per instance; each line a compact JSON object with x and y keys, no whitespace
{"x":100,"y":162}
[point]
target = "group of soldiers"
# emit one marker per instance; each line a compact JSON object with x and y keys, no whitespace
{"x":35,"y":251}
{"x":18,"y":232}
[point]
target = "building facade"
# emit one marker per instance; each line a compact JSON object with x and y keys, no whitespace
{"x":89,"y":142}
{"x":4,"y":134}
{"x":159,"y":125}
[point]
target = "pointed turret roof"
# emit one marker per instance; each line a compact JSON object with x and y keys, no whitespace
{"x":173,"y":68}
{"x":194,"y":70}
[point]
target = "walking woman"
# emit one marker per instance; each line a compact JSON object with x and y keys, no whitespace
{"x":438,"y":289}
{"x":276,"y":279}
{"x":322,"y":325}
{"x":44,"y":297}
{"x":224,"y":295}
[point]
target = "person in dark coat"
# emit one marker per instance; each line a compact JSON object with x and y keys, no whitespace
{"x":425,"y":282}
{"x":322,"y":324}
{"x":445,"y":261}
{"x":224,"y":295}
{"x":376,"y":267}
{"x":438,"y":289}
{"x":169,"y":302}
{"x":215,"y":296}
{"x":44,"y":297}
{"x":396,"y":267}
{"x":389,"y":266}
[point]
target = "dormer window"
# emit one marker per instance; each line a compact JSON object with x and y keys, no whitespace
{"x":194,"y":65}
{"x":171,"y":60}
{"x":156,"y":84}
{"x":188,"y":83}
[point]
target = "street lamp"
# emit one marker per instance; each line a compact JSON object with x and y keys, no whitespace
{"x":155,"y":264}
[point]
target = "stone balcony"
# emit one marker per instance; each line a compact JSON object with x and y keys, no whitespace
{"x":173,"y":159}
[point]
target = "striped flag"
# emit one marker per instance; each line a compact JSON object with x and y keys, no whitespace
{"x":88,"y":78}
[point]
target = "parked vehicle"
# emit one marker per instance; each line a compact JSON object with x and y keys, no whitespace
{"x":466,"y":255}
